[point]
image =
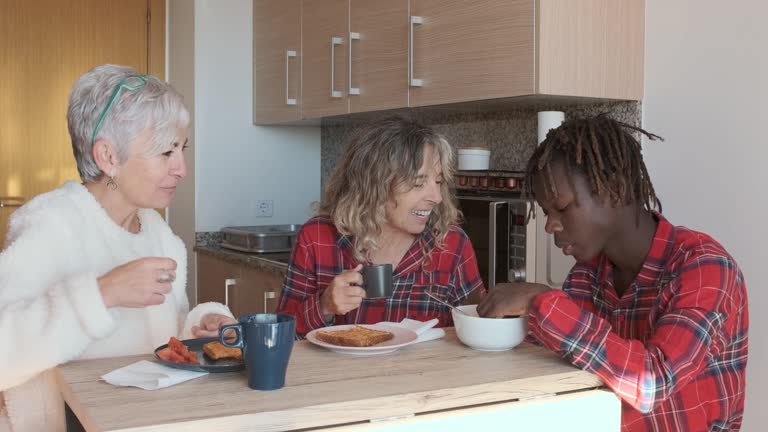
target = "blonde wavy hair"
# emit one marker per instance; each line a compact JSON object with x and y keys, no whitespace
{"x":380,"y":161}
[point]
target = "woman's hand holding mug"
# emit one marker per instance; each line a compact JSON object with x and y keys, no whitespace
{"x":343,"y":294}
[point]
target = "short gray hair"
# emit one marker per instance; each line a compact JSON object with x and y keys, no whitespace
{"x":156,"y":106}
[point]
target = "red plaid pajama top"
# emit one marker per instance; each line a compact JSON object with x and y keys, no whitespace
{"x":673,"y":347}
{"x":321,"y":253}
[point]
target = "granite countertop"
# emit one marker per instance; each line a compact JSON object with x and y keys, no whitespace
{"x":275,"y":262}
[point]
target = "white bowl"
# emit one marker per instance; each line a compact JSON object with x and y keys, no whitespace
{"x":488,"y":334}
{"x":474,"y":159}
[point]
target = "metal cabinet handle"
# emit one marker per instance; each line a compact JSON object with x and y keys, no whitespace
{"x":415,"y":82}
{"x":492,"y":206}
{"x":352,"y":36}
{"x":10,"y":201}
{"x":288,"y":55}
{"x":334,"y":41}
{"x":228,"y":283}
{"x":268,"y":295}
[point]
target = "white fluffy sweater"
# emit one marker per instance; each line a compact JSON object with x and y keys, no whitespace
{"x":51,"y":310}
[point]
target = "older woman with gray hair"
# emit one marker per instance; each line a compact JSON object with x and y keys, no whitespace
{"x":91,"y":270}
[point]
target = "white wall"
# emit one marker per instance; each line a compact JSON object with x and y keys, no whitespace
{"x":237,"y":162}
{"x":706,"y":94}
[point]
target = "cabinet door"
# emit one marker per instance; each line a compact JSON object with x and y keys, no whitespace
{"x":325,"y":28}
{"x":379,"y":58}
{"x":216,"y":280}
{"x":591,"y":48}
{"x":258,"y":291}
{"x":276,"y":60}
{"x":472,"y":50}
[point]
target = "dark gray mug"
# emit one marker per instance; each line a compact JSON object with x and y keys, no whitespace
{"x":377,"y":280}
{"x":267,"y":342}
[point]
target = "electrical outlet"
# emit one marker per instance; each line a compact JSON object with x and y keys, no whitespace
{"x":264,"y":208}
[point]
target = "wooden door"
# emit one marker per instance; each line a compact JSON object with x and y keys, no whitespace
{"x":276,"y":60}
{"x":216,"y":280}
{"x":472,"y":50}
{"x":46,"y":45}
{"x":324,"y":41}
{"x":379,"y":58}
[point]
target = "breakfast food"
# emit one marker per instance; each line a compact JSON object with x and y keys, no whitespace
{"x":217,"y":351}
{"x":177,"y":352}
{"x":356,"y":336}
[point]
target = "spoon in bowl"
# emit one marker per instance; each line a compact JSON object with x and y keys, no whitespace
{"x":445,"y":303}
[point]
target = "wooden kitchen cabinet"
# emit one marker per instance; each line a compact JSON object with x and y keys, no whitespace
{"x":379,"y":58}
{"x":245,"y":290}
{"x":325,"y":44}
{"x":367,"y":55}
{"x":355,"y":56}
{"x":489,"y":49}
{"x":276,"y":61}
{"x":466,"y":51}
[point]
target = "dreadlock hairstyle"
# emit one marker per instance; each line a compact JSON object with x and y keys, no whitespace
{"x":605,"y":152}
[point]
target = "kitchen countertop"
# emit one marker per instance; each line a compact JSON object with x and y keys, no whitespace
{"x":324,"y":389}
{"x":276,"y":262}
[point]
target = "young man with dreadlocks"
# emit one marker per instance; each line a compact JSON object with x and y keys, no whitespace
{"x":657,"y":311}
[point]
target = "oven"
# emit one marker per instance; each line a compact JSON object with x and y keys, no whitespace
{"x":494,"y":218}
{"x":508,"y":247}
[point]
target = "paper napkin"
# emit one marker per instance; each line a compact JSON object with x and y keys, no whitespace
{"x":149,"y":376}
{"x":423,"y":329}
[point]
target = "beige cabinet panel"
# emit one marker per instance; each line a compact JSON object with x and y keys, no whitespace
{"x":325,"y":44}
{"x":472,"y":50}
{"x":379,"y":58}
{"x":591,"y":48}
{"x":276,"y":61}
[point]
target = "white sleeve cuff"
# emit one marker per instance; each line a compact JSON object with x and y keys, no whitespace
{"x":201,"y":310}
{"x":85,"y":296}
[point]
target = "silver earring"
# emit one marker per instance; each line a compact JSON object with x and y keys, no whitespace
{"x":111,"y":183}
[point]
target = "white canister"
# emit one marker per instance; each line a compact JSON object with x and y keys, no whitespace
{"x":474,"y":158}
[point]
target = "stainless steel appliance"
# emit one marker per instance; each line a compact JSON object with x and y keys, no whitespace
{"x":260,"y":239}
{"x":508,"y":247}
{"x":494,"y":218}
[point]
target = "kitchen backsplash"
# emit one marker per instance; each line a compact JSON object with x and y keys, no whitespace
{"x":510,"y":134}
{"x":208,"y":238}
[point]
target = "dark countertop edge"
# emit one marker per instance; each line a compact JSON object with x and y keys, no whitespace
{"x":259,"y":262}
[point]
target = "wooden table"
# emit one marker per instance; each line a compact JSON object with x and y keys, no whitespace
{"x":325,"y":389}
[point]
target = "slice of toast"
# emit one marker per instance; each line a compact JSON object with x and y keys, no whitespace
{"x":217,"y":351}
{"x":357,"y":336}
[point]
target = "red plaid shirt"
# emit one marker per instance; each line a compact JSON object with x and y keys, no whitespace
{"x":673,"y":347}
{"x":321,"y":253}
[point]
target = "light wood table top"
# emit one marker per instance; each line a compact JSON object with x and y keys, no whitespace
{"x":322,"y":389}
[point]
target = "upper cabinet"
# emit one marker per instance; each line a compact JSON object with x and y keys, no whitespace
{"x":471,"y":50}
{"x":325,"y":47}
{"x":355,"y":56}
{"x":590,"y":48}
{"x":367,"y":55}
{"x":276,"y":61}
{"x":379,"y":55}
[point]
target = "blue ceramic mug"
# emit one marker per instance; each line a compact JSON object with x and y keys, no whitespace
{"x":267,"y":341}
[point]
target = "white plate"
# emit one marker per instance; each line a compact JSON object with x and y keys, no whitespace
{"x":402,"y":338}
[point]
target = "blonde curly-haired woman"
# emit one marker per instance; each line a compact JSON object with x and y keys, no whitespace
{"x":389,"y":201}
